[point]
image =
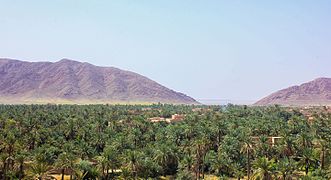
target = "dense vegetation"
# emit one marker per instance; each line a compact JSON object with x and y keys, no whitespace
{"x":118,"y":142}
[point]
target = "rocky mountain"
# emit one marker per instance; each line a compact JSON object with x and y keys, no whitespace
{"x":68,"y":81}
{"x":316,"y":92}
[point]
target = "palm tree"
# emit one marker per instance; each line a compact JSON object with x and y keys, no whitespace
{"x":165,"y":155}
{"x":186,"y":162}
{"x":64,"y":162}
{"x":286,"y":167}
{"x":286,"y":145}
{"x":248,"y":149}
{"x":308,"y":159}
{"x":132,"y":157}
{"x":201,"y":146}
{"x":102,"y":165}
{"x":86,"y":169}
{"x":322,"y":126}
{"x":9,"y":144}
{"x":20,"y":158}
{"x":263,"y":168}
{"x":79,"y":174}
{"x":218,"y":162}
{"x":39,"y":170}
{"x":238,"y":171}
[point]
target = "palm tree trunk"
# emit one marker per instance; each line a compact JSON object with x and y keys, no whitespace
{"x":107,"y":172}
{"x":21,"y":172}
{"x":199,"y":172}
{"x":248,"y":164}
{"x":103,"y":172}
{"x":266,"y":176}
{"x":198,"y":161}
{"x":135,"y":172}
{"x":203,"y":167}
{"x":323,"y":158}
{"x":307,"y":166}
{"x":4,"y":170}
{"x":219,"y":138}
{"x":62,"y":172}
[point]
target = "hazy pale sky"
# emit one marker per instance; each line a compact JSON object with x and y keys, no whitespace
{"x":240,"y":50}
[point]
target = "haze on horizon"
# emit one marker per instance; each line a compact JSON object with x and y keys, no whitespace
{"x":238,"y":51}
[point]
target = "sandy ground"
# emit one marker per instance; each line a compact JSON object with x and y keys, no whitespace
{"x":58,"y":177}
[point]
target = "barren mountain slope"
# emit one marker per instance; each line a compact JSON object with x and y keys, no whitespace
{"x":75,"y":82}
{"x":316,"y":92}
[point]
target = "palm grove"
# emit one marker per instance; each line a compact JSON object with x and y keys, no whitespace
{"x":119,"y":142}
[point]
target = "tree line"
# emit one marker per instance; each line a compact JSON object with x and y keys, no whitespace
{"x":119,"y":142}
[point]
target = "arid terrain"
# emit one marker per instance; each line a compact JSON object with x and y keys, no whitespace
{"x":313,"y":93}
{"x":70,"y":82}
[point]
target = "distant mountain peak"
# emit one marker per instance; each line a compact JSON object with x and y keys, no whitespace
{"x":66,"y":60}
{"x":70,"y":81}
{"x":316,"y":92}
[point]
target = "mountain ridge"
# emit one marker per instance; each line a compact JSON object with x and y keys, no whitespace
{"x":315,"y":92}
{"x":79,"y":82}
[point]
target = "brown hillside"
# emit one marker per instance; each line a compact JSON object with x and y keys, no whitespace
{"x":76,"y":82}
{"x":316,"y":92}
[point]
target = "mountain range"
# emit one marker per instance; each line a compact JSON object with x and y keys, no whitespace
{"x":313,"y":93}
{"x":73,"y":82}
{"x":68,"y":81}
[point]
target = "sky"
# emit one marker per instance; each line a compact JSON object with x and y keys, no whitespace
{"x":226,"y":50}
